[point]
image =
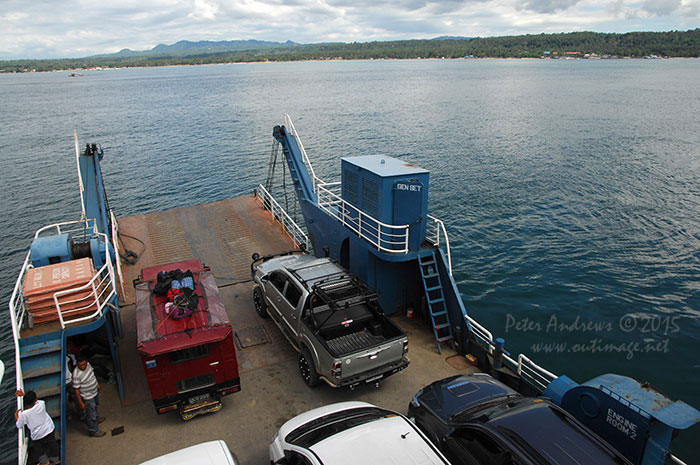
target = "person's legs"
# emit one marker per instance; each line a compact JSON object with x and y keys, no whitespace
{"x":39,"y":451}
{"x":91,"y":415}
{"x":52,"y":448}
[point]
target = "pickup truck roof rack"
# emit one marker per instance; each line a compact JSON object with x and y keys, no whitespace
{"x":345,"y":288}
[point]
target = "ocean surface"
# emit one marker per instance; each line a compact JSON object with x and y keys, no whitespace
{"x":570,"y":188}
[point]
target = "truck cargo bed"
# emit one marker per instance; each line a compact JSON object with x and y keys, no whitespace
{"x":353,"y":342}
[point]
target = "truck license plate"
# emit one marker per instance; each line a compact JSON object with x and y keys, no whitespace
{"x":198,"y":399}
{"x":374,"y":378}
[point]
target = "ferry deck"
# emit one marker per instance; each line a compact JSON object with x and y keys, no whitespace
{"x":223,"y":235}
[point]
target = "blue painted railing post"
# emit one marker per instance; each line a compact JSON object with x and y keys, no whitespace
{"x":498,"y":353}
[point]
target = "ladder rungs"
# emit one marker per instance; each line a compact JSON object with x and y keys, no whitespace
{"x":434,"y":288}
{"x":436,"y":301}
{"x":445,"y":338}
{"x":441,"y":325}
{"x":48,"y":391}
{"x":41,"y":371}
{"x":430,"y":262}
{"x":440,"y":313}
{"x":431,"y":275}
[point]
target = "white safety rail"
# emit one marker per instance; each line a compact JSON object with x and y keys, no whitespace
{"x":528,"y":370}
{"x":293,"y":132}
{"x":17,"y":313}
{"x":674,"y":460}
{"x":102,"y":288}
{"x":434,"y":233}
{"x":385,"y":237}
{"x":483,"y":336}
{"x":531,"y":372}
{"x":115,"y":245}
{"x":288,"y":225}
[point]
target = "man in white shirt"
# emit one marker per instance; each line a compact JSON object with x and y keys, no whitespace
{"x":41,"y":428}
{"x":87,"y":393}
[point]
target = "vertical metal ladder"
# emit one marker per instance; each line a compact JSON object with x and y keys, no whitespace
{"x":435,"y":297}
{"x":42,"y":360}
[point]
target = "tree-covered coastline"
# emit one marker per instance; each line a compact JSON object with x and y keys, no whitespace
{"x":573,"y":44}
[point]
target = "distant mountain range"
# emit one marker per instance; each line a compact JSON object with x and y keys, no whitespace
{"x":208,"y":47}
{"x":584,"y":44}
{"x":202,"y":47}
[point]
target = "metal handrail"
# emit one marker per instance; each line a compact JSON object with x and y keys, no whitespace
{"x":17,"y":302}
{"x":305,"y":158}
{"x":61,"y":228}
{"x":384,"y":234}
{"x":363,"y":224}
{"x":528,"y":370}
{"x":439,"y":225}
{"x":538,"y":375}
{"x":297,"y":234}
{"x":675,"y":459}
{"x":115,"y":245}
{"x":100,"y":284}
{"x":482,"y":333}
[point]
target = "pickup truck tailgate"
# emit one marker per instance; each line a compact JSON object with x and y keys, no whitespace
{"x":370,"y":359}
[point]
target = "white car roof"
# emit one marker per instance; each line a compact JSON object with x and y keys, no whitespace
{"x":392,"y":440}
{"x":206,"y":453}
{"x":306,"y":417}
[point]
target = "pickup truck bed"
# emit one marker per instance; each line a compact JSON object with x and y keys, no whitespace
{"x":353,"y":342}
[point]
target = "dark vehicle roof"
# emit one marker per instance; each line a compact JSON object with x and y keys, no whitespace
{"x":456,"y":394}
{"x":540,"y":430}
{"x":544,"y":431}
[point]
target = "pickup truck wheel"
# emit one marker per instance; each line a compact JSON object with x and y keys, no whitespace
{"x":307,"y":369}
{"x":259,"y":302}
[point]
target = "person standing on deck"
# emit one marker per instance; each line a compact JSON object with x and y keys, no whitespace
{"x":41,"y":428}
{"x":87,"y":393}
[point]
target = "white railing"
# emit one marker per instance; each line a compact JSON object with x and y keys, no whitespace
{"x":305,"y":158}
{"x":102,"y":288}
{"x":483,"y":335}
{"x":434,"y":236}
{"x":17,"y":313}
{"x":528,"y":370}
{"x":531,"y":372}
{"x":385,"y":237}
{"x":76,"y":228}
{"x":115,"y":245}
{"x":675,"y":460}
{"x":288,"y":225}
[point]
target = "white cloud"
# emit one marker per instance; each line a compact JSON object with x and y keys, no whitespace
{"x":204,"y":10}
{"x":71,"y":28}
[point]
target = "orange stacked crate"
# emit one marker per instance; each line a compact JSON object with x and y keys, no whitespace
{"x":40,"y":285}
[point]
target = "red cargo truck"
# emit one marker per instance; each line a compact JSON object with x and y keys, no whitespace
{"x":184,"y":339}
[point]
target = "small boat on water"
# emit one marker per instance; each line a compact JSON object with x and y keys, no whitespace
{"x":76,"y":285}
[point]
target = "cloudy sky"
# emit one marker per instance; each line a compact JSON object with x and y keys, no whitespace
{"x":76,"y":28}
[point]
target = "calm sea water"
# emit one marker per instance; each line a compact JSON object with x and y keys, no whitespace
{"x":570,"y":189}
